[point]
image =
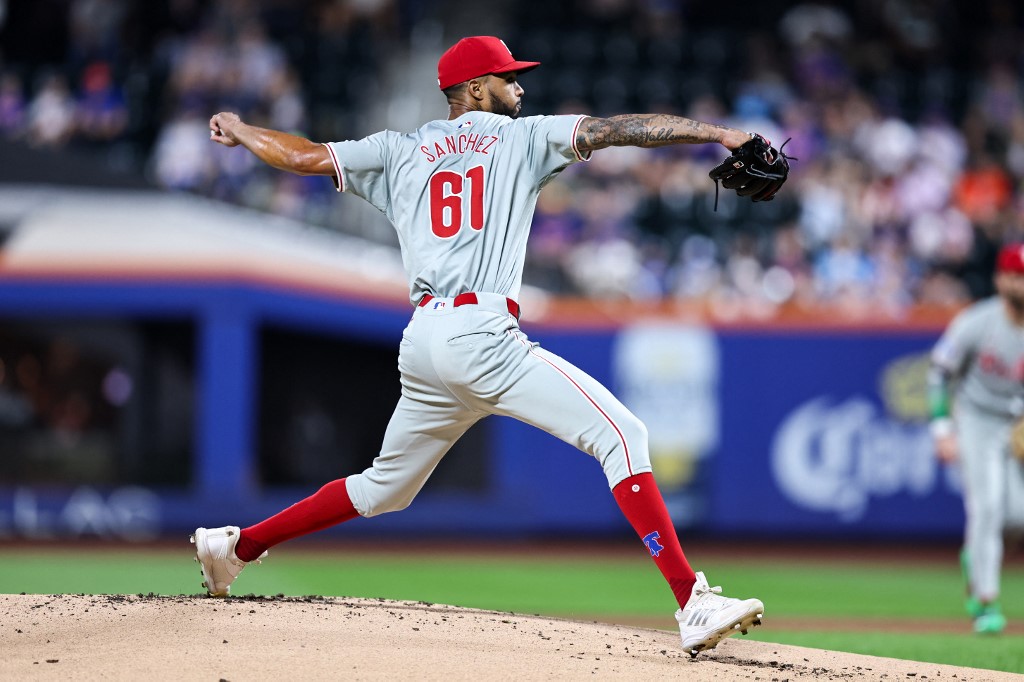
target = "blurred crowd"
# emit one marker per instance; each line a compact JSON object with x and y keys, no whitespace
{"x":906,"y":117}
{"x":909,"y":140}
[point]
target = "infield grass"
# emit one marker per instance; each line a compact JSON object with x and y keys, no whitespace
{"x":894,"y":596}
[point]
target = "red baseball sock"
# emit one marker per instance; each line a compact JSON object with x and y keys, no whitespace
{"x":326,"y":507}
{"x":640,"y":500}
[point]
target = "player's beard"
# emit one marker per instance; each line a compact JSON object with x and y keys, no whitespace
{"x":1014,"y":302}
{"x":1011,"y":289}
{"x":500,"y":107}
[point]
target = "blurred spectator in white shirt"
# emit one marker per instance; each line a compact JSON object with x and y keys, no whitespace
{"x":51,"y":115}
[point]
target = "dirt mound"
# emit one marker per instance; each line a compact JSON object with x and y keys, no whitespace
{"x":273,"y":638}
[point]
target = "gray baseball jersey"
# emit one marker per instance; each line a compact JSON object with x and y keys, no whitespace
{"x":986,"y":350}
{"x":461,"y":195}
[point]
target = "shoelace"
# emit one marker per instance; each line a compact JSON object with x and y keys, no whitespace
{"x":704,"y":592}
{"x":717,"y":589}
{"x":782,"y":154}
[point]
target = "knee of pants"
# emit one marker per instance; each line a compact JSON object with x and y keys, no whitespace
{"x":985,"y":514}
{"x":630,"y":455}
{"x":373,"y":498}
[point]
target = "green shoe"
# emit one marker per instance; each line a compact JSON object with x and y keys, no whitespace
{"x":975,"y":609}
{"x":991,"y":621}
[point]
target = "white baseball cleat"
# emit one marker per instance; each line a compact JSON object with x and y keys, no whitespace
{"x":215,"y":552}
{"x":709,"y":618}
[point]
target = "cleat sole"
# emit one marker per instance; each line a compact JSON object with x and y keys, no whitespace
{"x":742,"y":625}
{"x":202,"y":570}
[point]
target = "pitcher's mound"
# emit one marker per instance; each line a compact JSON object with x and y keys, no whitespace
{"x":276,"y":638}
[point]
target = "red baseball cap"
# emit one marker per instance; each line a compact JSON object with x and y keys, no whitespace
{"x":477,"y":56}
{"x":1011,"y":259}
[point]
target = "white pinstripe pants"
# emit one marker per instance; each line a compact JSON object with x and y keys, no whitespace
{"x":461,"y":364}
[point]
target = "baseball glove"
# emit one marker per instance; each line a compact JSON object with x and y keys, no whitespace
{"x":1017,"y":439}
{"x":756,"y":170}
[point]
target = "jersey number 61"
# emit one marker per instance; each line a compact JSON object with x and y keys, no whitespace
{"x":448,"y":197}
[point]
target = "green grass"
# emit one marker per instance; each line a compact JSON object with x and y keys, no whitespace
{"x":582,"y":586}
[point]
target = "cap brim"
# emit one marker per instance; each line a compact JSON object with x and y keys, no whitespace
{"x":518,"y":67}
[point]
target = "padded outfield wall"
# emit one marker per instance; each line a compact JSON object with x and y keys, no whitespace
{"x":168,"y":362}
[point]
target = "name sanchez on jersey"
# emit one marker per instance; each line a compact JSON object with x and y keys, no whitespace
{"x":459,"y":144}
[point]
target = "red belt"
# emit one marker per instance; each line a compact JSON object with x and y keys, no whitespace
{"x":470,"y":298}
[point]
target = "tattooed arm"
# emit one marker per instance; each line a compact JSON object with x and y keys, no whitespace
{"x":653,"y":130}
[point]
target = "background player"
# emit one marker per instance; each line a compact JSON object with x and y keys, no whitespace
{"x":461,"y":193}
{"x":983,"y":352}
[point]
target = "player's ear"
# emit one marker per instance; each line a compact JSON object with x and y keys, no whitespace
{"x":477,"y":89}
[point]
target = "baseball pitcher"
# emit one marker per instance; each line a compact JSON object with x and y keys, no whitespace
{"x":461,"y":194}
{"x":982,"y":353}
